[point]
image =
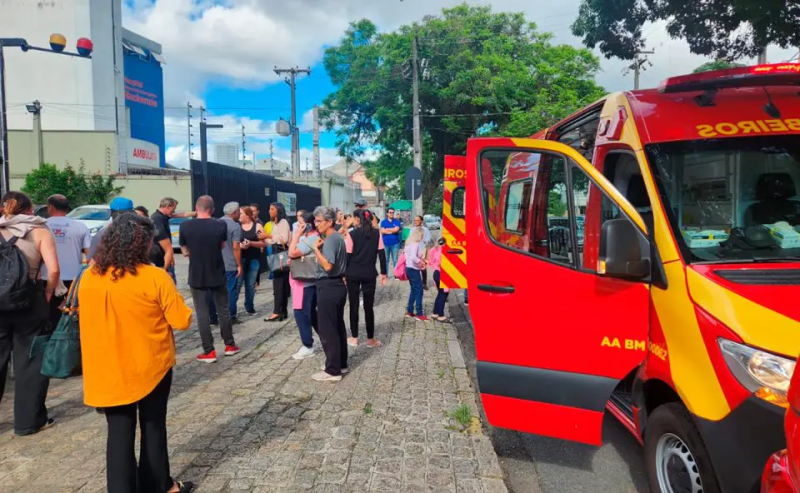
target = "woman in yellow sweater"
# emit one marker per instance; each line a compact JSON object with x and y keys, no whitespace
{"x":128,"y":309}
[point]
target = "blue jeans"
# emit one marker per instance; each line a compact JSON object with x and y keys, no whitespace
{"x":415,"y":296}
{"x":234,"y":286}
{"x":307,"y":317}
{"x":250,"y":270}
{"x":171,"y":272}
{"x":466,"y":299}
{"x":392,"y":254}
{"x":441,"y":296}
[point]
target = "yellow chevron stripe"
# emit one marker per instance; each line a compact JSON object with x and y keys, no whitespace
{"x":457,"y":276}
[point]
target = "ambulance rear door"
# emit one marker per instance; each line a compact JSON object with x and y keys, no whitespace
{"x":454,"y":224}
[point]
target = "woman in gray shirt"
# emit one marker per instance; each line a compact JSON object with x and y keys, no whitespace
{"x":331,"y":295}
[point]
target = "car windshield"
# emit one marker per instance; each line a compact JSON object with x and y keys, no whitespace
{"x":731,"y":200}
{"x":90,"y":214}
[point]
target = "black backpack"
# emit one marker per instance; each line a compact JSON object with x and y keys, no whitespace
{"x":16,"y":286}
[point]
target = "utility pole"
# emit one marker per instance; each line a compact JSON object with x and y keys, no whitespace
{"x":271,"y":159}
{"x":204,"y":151}
{"x":5,"y":185}
{"x":417,"y":127}
{"x":244,"y":147}
{"x":316,"y":173}
{"x":636,"y":66}
{"x":35,"y":109}
{"x":762,"y":57}
{"x":292,"y":81}
{"x":189,"y":129}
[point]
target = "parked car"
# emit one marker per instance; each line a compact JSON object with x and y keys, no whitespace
{"x":432,"y":222}
{"x":174,"y":227}
{"x":93,"y":216}
{"x":40,"y":210}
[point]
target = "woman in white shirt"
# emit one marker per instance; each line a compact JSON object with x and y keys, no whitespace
{"x":279,"y":240}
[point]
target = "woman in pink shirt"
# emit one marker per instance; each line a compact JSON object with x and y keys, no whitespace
{"x":435,"y":262}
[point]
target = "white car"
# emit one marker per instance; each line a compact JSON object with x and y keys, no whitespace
{"x":93,"y":216}
{"x":432,"y":222}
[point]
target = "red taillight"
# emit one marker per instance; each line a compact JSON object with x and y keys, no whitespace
{"x":779,"y":74}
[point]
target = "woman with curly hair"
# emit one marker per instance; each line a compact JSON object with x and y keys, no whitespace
{"x":128,"y":311}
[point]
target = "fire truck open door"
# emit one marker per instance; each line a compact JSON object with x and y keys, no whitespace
{"x":454,"y":224}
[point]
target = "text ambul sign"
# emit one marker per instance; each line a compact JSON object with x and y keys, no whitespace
{"x":141,"y":153}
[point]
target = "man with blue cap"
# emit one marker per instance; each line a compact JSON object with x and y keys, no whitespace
{"x":118,"y":206}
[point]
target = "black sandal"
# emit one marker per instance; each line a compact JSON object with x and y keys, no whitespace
{"x":185,"y":487}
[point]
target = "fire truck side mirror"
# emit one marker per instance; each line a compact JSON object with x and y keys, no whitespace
{"x":620,"y":253}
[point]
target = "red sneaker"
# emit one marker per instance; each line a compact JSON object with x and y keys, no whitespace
{"x":422,"y":318}
{"x":207,"y":358}
{"x":231,"y":350}
{"x":409,"y":315}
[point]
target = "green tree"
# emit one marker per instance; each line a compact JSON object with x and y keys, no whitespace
{"x":555,"y":204}
{"x":78,"y":187}
{"x":481,"y":72}
{"x":724,"y":29}
{"x":716,"y":65}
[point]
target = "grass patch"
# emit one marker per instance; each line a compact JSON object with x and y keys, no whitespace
{"x":462,"y":415}
{"x":441,"y":374}
{"x":368,"y":408}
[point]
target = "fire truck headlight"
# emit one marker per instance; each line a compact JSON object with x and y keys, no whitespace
{"x":766,"y":375}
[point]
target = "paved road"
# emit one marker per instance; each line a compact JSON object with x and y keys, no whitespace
{"x":256,"y":421}
{"x":535,"y":464}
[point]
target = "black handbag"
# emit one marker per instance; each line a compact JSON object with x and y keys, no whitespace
{"x":278,"y":261}
{"x":62,"y":352}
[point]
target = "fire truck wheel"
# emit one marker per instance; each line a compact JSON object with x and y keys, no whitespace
{"x":675,"y":456}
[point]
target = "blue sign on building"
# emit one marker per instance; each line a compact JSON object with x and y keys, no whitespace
{"x":144,"y":96}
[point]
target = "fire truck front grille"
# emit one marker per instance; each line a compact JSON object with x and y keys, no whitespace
{"x":788,"y":277}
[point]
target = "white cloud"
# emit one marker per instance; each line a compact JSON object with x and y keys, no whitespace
{"x":177,"y":156}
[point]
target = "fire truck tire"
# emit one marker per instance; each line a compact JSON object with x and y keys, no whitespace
{"x":675,"y":456}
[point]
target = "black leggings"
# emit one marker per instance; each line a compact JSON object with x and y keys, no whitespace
{"x":17,"y":332}
{"x":280,"y":288}
{"x":152,"y":473}
{"x":331,"y":295}
{"x":354,"y":288}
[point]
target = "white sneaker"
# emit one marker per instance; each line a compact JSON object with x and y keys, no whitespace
{"x":303,"y":353}
{"x":344,"y":370}
{"x":324,"y":377}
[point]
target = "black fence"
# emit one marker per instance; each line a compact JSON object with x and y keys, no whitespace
{"x":228,"y":184}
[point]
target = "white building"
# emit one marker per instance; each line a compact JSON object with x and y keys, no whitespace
{"x":274,"y":167}
{"x":79,"y":94}
{"x":227,"y":154}
{"x":76,"y":94}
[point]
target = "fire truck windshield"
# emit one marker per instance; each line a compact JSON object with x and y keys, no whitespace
{"x":731,"y":200}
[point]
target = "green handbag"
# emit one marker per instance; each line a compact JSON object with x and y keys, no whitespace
{"x":62,"y":353}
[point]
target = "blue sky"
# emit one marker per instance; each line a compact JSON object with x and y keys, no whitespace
{"x":221,"y":54}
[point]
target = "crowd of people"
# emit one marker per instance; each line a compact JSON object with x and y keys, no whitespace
{"x":124,"y":278}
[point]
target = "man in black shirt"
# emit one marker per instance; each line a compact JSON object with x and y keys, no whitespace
{"x":202,"y":240}
{"x":162,"y":241}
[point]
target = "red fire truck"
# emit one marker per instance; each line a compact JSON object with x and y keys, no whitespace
{"x":642,"y":257}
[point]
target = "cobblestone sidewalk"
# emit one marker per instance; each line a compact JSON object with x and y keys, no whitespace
{"x":257,"y":422}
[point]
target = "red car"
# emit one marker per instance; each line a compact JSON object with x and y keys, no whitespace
{"x":782,"y":474}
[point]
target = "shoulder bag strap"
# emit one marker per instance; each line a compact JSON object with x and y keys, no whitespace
{"x":72,"y":301}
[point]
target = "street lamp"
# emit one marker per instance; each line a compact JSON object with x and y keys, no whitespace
{"x":84,"y":48}
{"x":34,"y":108}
